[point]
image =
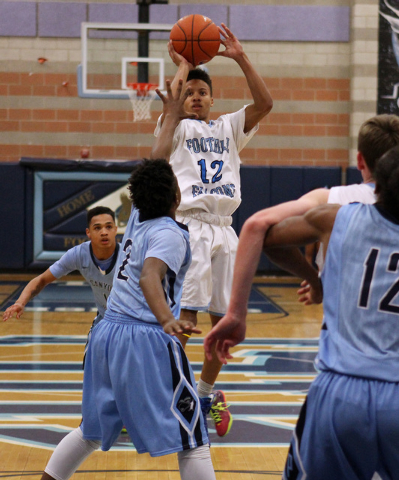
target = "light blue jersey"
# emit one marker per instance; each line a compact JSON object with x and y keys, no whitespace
{"x":162,"y":238}
{"x":135,"y":374}
{"x":81,"y":258}
{"x":360,"y":333}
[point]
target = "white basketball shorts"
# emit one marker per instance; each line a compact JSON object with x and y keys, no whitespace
{"x":207,"y":286}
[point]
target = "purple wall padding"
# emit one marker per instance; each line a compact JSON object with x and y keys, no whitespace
{"x":217,"y":13}
{"x":113,"y":13}
{"x":61,"y":19}
{"x":17,"y":19}
{"x":162,"y":14}
{"x":290,"y":23}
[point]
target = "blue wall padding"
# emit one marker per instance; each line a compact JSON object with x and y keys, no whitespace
{"x":12,"y":213}
{"x":18,"y":19}
{"x":325,"y":177}
{"x":261,"y":187}
{"x":353,"y":175}
{"x":61,"y":19}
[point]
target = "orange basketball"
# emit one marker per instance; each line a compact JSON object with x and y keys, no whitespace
{"x":196,"y":38}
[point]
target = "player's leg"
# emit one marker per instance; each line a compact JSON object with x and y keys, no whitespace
{"x":101,"y":418}
{"x":69,"y":455}
{"x":225,"y":246}
{"x":196,"y":464}
{"x":388,"y":427}
{"x":156,"y":392}
{"x":339,"y":414}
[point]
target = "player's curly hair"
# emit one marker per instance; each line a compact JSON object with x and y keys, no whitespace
{"x":153,"y":187}
{"x":199,"y":74}
{"x":387,"y":181}
{"x":376,"y":136}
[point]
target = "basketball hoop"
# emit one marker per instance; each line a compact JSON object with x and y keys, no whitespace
{"x":141,"y":96}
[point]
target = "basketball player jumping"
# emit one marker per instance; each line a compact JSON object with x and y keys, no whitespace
{"x":204,"y":155}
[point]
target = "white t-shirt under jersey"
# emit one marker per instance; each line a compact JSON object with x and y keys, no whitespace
{"x":343,"y":195}
{"x":363,"y":193}
{"x":205,"y":159}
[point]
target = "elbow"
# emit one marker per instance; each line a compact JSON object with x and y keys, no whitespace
{"x":255,"y":225}
{"x":267,"y":105}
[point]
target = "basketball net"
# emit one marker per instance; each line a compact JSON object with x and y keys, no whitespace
{"x":141,"y":96}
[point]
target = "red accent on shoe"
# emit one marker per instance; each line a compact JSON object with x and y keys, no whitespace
{"x":220,"y":414}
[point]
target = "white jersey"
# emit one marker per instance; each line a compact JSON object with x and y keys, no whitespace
{"x":205,"y":159}
{"x":344,"y":195}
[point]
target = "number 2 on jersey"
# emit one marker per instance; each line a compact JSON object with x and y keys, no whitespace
{"x":127,"y":250}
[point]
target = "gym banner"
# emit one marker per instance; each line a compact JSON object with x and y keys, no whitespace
{"x":388,"y":57}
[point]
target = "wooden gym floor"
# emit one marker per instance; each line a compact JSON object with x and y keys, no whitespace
{"x":41,"y":380}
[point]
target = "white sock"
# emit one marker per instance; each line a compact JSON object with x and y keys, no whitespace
{"x":69,"y":454}
{"x":196,"y":464}
{"x":204,"y":389}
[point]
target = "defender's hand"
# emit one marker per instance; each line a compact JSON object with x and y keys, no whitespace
{"x":14,"y":309}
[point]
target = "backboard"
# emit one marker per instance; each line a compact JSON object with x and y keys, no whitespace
{"x":112,"y":57}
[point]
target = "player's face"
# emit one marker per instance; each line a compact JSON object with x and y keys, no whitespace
{"x":199,"y":99}
{"x":102,"y":231}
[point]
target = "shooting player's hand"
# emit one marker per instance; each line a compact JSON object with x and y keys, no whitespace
{"x":230,"y":41}
{"x":177,"y":59}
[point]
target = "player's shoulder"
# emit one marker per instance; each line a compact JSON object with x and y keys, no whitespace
{"x":80,"y":249}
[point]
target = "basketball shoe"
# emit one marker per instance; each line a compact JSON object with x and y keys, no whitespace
{"x":220,"y":413}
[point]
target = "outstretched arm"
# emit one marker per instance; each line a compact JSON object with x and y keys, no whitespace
{"x":31,"y":290}
{"x":231,"y":329}
{"x":263,"y":102}
{"x":154,"y":270}
{"x":250,"y":247}
{"x":173,"y":105}
{"x":316,"y":225}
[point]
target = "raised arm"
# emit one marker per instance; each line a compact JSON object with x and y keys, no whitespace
{"x":173,"y":105}
{"x":34,"y":287}
{"x":154,"y":270}
{"x":263,"y":102}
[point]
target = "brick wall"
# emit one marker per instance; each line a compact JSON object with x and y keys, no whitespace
{"x":322,"y":93}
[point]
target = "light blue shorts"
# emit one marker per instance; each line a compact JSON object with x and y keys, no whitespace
{"x":139,"y":377}
{"x":347,"y":430}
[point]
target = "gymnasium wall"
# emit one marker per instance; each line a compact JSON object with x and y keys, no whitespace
{"x":319,"y":59}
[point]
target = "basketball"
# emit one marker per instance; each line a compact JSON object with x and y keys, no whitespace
{"x":196,"y":38}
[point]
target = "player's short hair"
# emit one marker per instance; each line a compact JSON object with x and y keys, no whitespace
{"x":153,"y":187}
{"x":377,"y":135}
{"x":199,"y":74}
{"x":387,"y":181}
{"x":99,"y":211}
